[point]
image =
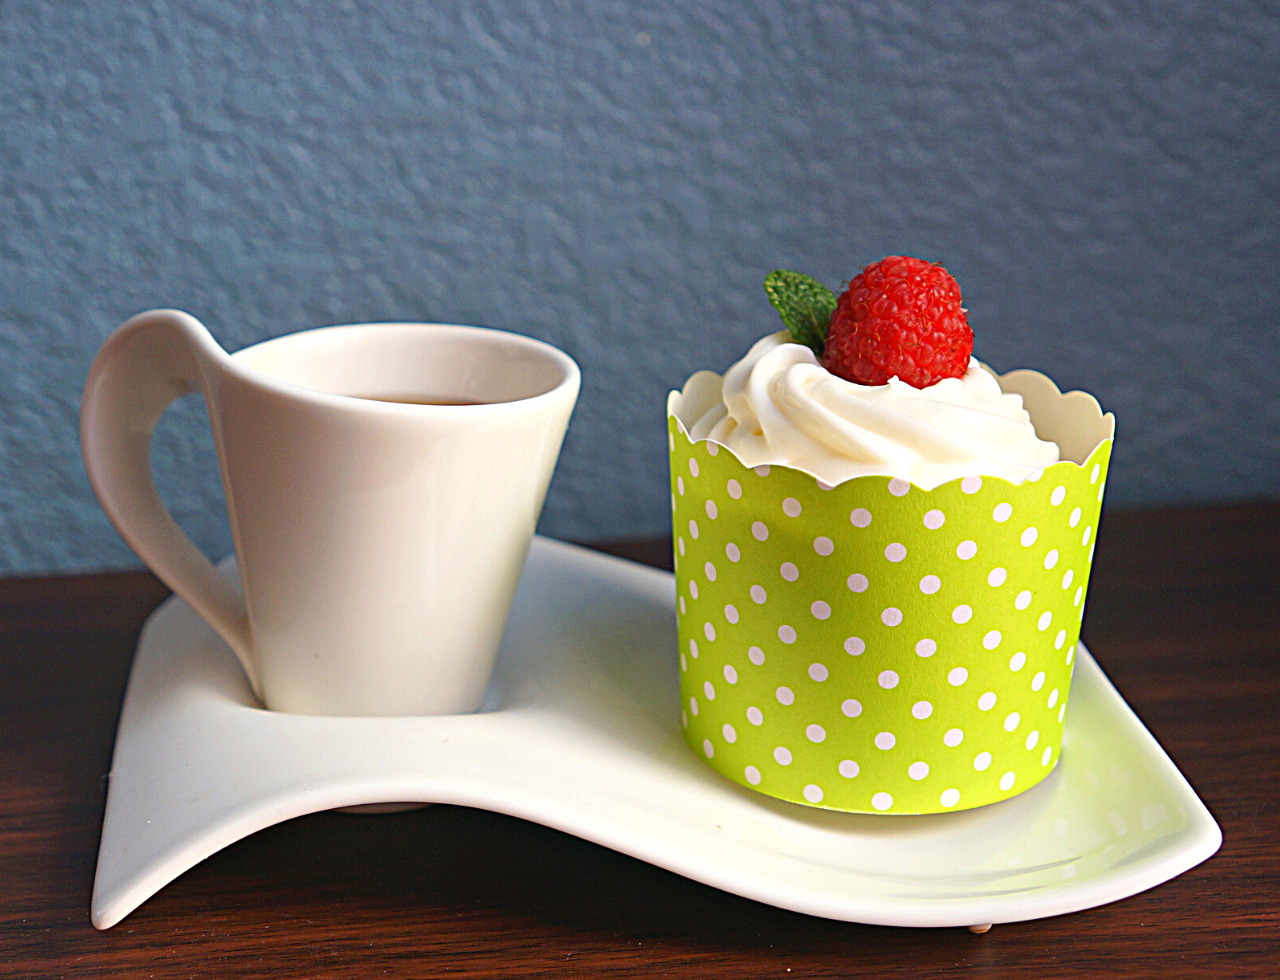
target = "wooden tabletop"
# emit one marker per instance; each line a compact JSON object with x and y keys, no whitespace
{"x":1183,"y":614}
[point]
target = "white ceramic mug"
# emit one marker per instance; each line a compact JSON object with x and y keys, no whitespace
{"x":379,"y":543}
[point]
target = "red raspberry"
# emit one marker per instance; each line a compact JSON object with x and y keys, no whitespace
{"x":899,"y":317}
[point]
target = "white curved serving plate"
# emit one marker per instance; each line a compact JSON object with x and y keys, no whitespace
{"x":581,"y":733}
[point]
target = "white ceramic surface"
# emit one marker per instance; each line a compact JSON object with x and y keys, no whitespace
{"x":379,"y":544}
{"x":580,"y":732}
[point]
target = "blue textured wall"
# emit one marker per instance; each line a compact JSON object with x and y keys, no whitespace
{"x":1102,"y":177}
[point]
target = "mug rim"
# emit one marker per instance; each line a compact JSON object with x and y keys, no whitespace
{"x":568,"y":383}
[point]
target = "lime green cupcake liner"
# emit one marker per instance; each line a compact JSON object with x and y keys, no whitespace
{"x":875,"y":647}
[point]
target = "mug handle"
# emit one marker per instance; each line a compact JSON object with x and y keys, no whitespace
{"x":151,"y":360}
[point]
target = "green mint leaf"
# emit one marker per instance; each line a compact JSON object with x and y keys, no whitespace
{"x":804,"y":304}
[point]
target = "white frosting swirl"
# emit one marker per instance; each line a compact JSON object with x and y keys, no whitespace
{"x":780,"y":406}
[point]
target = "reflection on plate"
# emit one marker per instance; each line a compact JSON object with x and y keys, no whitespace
{"x":580,"y":732}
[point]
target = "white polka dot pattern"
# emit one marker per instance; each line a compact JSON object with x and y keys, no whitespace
{"x":873,"y":647}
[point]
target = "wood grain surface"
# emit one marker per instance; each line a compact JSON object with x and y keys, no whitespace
{"x":1184,"y":615}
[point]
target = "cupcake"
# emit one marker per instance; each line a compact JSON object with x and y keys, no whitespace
{"x":882,"y":552}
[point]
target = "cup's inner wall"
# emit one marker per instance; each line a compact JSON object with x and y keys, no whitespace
{"x":465,"y":364}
